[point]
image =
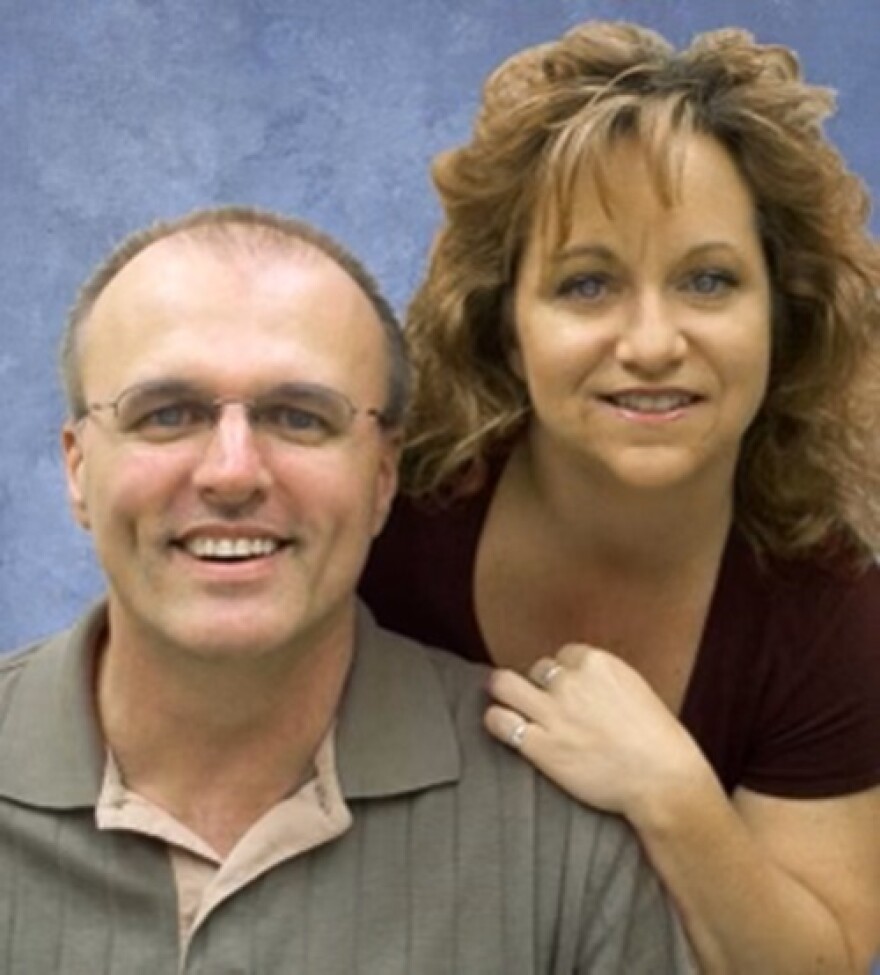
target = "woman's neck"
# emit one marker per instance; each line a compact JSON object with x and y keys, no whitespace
{"x":567,"y":557}
{"x":600,"y":520}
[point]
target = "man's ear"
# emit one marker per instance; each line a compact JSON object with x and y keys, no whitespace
{"x":387,"y":477}
{"x":74,"y":470}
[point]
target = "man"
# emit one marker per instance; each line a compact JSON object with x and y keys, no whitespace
{"x":227,"y":767}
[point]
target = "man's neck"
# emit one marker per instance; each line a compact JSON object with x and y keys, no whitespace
{"x":218,"y":743}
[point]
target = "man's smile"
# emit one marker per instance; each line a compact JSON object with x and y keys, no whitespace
{"x":230,"y":549}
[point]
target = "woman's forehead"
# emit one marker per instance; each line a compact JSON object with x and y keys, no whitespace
{"x":593,"y":176}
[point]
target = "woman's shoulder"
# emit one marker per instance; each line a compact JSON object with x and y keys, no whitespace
{"x":813,"y":582}
{"x":792,"y":662}
{"x":818,"y":608}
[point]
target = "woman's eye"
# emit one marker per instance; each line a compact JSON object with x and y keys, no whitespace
{"x":711,"y":283}
{"x":587,"y":287}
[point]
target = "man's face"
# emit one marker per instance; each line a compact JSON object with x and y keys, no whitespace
{"x":232,"y":543}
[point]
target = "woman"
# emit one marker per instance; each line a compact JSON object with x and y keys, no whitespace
{"x":642,"y":436}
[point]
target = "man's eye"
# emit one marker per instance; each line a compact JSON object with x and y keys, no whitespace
{"x":296,"y":422}
{"x":172,"y":417}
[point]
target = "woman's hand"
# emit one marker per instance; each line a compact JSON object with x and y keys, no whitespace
{"x":800,"y":877}
{"x":596,"y":728}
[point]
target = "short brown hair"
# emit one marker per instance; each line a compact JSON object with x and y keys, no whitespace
{"x":809,"y":468}
{"x":236,"y":226}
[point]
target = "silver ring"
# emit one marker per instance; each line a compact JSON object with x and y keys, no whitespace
{"x":517,"y":734}
{"x":549,"y":675}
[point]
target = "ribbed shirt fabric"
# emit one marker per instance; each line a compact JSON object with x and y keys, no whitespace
{"x":459,"y":860}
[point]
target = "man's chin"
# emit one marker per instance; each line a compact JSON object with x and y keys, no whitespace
{"x":235,"y":641}
{"x":250,"y":635}
{"x":225,"y":633}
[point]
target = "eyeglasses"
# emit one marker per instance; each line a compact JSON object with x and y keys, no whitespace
{"x":302,"y":414}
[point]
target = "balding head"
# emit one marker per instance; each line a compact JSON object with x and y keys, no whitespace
{"x":236,"y":233}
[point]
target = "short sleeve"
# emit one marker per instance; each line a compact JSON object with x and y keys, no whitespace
{"x":817,"y":727}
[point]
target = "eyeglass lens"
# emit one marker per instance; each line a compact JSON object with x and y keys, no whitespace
{"x":293,"y":413}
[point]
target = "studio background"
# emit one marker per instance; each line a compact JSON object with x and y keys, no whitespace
{"x":116,"y":113}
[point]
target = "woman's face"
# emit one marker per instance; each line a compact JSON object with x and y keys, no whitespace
{"x":644,"y":335}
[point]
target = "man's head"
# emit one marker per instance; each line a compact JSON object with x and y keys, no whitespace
{"x":236,"y":384}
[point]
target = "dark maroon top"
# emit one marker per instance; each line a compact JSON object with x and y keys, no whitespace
{"x":784,"y":697}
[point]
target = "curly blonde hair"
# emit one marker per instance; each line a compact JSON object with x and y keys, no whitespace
{"x":809,"y":469}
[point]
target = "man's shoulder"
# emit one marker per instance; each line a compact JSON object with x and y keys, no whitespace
{"x":26,"y":700}
{"x":514,"y":822}
{"x":14,"y":662}
{"x":461,"y":685}
{"x":16,"y":659}
{"x":463,"y":681}
{"x":43,"y":672}
{"x":454,"y":671}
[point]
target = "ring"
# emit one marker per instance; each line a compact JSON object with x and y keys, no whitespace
{"x":517,"y":734}
{"x":546,"y":678}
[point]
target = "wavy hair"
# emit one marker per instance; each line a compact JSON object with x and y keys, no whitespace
{"x":809,"y":468}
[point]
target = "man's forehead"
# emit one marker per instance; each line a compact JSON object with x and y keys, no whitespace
{"x":241,"y":253}
{"x":196,"y":292}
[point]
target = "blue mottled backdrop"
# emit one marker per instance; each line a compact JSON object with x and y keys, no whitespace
{"x":114,"y":113}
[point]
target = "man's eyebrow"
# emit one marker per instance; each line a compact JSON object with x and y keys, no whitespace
{"x":300,"y":387}
{"x":170,"y":385}
{"x":186,"y":387}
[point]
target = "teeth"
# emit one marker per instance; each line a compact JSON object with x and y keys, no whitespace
{"x":651,"y":402}
{"x":231,"y":548}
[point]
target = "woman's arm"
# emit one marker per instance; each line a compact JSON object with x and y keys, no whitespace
{"x":763,"y":885}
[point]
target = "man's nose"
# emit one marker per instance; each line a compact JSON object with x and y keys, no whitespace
{"x":651,"y":341}
{"x":232,"y":466}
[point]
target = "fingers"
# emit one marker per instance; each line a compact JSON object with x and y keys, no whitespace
{"x":513,"y":729}
{"x":536,"y":696}
{"x":544,"y":671}
{"x":573,"y":655}
{"x":517,"y":693}
{"x":507,"y":726}
{"x":525,"y":705}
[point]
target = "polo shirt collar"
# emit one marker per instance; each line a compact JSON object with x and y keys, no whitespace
{"x":395,"y":732}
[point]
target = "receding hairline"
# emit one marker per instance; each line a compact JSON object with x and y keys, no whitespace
{"x":224,"y":236}
{"x":235,"y":239}
{"x":233,"y":232}
{"x":249,"y":248}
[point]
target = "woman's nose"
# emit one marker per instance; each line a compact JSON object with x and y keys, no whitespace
{"x":651,"y":341}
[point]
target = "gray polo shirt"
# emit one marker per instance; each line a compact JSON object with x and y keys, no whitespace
{"x":460,"y":860}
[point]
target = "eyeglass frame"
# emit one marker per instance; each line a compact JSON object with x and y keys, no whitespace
{"x":215,"y":405}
